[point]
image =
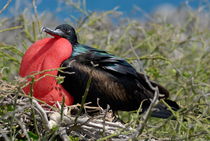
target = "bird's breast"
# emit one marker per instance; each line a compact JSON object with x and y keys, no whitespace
{"x":41,"y":62}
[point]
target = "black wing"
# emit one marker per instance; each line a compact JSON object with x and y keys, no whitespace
{"x":103,"y":60}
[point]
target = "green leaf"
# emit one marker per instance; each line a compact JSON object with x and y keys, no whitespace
{"x":33,"y":136}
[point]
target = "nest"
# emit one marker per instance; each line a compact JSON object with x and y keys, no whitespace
{"x":24,"y":117}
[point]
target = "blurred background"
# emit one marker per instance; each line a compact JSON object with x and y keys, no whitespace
{"x":108,"y":24}
{"x":63,"y":10}
{"x":54,"y":12}
{"x":169,"y":39}
{"x":133,"y":8}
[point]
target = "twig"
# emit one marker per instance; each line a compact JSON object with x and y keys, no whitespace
{"x":78,"y":7}
{"x":5,"y":6}
{"x":84,"y":98}
{"x":95,"y":123}
{"x":6,"y":138}
{"x":42,"y":113}
{"x":11,"y":28}
{"x":22,"y":125}
{"x":36,"y":13}
{"x":19,"y":109}
{"x":145,"y":117}
{"x":86,"y":126}
{"x":105,"y":114}
{"x":63,"y":134}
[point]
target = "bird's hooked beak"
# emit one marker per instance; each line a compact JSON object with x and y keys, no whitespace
{"x":56,"y":33}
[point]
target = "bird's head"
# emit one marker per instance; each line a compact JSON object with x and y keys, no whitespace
{"x":63,"y":31}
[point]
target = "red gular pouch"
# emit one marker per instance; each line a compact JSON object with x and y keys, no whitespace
{"x":42,"y":60}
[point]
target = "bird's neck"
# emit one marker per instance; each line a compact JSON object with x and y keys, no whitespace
{"x":73,"y":40}
{"x":75,"y":48}
{"x":75,"y":45}
{"x":79,"y":49}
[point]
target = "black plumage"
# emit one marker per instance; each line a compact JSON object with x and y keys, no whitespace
{"x":113,"y":80}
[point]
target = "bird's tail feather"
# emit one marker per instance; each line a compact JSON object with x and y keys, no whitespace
{"x":162,"y":111}
{"x":163,"y":91}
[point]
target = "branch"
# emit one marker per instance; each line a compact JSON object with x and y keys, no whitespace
{"x":63,"y":134}
{"x":146,"y":116}
{"x":86,"y":125}
{"x":42,"y":113}
{"x":5,"y":6}
{"x":36,"y":14}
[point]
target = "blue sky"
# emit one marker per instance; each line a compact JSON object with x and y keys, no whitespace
{"x":125,"y":6}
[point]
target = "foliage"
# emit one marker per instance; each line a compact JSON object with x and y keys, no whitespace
{"x":177,"y":56}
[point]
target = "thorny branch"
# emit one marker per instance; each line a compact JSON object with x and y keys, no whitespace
{"x":47,"y":119}
{"x":146,"y":115}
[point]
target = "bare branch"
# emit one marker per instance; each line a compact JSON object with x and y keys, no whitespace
{"x":36,"y":13}
{"x":63,"y":134}
{"x":42,"y":113}
{"x":146,"y":115}
{"x":23,"y":127}
{"x":5,"y":6}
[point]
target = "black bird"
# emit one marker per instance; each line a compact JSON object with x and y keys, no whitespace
{"x":113,"y":80}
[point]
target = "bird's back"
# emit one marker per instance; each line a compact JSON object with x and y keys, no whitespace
{"x":114,"y":81}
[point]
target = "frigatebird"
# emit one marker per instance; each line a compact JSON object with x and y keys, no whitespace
{"x":114,"y":81}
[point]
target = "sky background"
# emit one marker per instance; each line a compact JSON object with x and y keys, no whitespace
{"x":58,"y":8}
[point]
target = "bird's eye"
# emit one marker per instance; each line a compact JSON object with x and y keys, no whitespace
{"x":69,"y":31}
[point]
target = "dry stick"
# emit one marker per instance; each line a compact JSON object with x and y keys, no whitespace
{"x":85,"y":124}
{"x":145,"y":14}
{"x":11,"y":114}
{"x":92,"y":126}
{"x":108,"y":107}
{"x":6,"y":138}
{"x":145,"y":117}
{"x":97,"y":123}
{"x":105,"y":114}
{"x":36,"y":13}
{"x":42,"y":112}
{"x":63,"y":134}
{"x":32,"y":110}
{"x":23,"y":127}
{"x":78,"y":7}
{"x":15,"y":106}
{"x":101,"y":109}
{"x":35,"y":7}
{"x":5,"y":6}
{"x":62,"y":131}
